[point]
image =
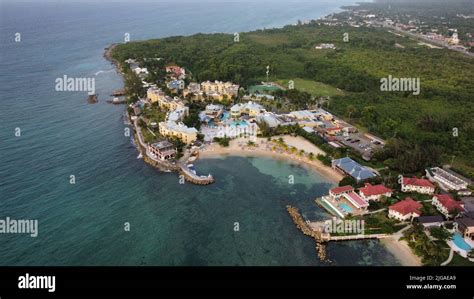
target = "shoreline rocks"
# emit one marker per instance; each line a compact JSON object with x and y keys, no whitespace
{"x":303,"y":226}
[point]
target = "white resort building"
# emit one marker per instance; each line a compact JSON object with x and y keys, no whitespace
{"x":405,"y":210}
{"x":178,"y":114}
{"x":445,"y":179}
{"x":446,"y":205}
{"x":417,"y":185}
{"x":374,"y":192}
{"x":250,"y":108}
{"x":343,"y":201}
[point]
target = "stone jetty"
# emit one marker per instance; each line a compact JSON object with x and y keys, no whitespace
{"x":307,"y":230}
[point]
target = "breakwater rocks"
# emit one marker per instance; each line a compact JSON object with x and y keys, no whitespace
{"x":92,"y":99}
{"x":306,"y":229}
{"x":195,"y":179}
{"x":160,"y":166}
{"x":118,"y":92}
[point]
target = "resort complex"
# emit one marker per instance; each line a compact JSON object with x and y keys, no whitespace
{"x":180,"y":119}
{"x":191,"y":139}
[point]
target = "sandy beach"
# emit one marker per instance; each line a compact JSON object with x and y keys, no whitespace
{"x":401,"y":250}
{"x":264,"y":148}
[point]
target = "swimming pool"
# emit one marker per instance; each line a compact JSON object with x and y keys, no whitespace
{"x":239,"y":123}
{"x":459,"y":242}
{"x":345,"y":207}
{"x":225,"y":116}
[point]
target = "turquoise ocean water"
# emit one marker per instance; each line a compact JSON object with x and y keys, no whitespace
{"x":61,"y":135}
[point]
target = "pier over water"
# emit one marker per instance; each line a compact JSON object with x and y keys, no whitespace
{"x":194,"y":178}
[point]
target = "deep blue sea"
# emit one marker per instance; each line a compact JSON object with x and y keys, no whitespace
{"x":62,"y":135}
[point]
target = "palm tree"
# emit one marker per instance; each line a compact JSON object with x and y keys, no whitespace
{"x":351,"y":109}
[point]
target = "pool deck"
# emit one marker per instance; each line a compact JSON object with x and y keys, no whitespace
{"x":334,"y":208}
{"x":462,"y":252}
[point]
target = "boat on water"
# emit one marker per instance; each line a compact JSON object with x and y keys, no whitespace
{"x":117,"y":101}
{"x":167,"y":170}
{"x":140,"y":156}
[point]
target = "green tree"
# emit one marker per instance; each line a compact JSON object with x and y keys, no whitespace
{"x":347,"y":180}
{"x":441,"y":233}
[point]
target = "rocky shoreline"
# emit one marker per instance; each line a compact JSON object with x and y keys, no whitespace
{"x":302,"y":226}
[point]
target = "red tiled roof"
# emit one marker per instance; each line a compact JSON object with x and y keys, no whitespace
{"x":174,"y":69}
{"x":369,"y":189}
{"x":407,"y":206}
{"x":449,"y":203}
{"x":417,"y":182}
{"x":357,"y":199}
{"x":341,"y":189}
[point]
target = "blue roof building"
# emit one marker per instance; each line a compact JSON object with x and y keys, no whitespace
{"x":352,"y":168}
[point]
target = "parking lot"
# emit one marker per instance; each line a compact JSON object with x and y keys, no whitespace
{"x":360,"y":142}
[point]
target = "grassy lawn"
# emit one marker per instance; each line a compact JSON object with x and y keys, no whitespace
{"x":154,"y":114}
{"x":379,"y":223}
{"x":460,"y":261}
{"x":429,"y":209}
{"x":315,"y":88}
{"x":262,"y":89}
{"x":385,"y":202}
{"x":415,"y":196}
{"x":149,"y":138}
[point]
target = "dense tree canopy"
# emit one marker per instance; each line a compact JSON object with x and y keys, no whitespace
{"x":420,"y":127}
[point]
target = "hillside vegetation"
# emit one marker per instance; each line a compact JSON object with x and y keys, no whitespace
{"x":419,"y":127}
